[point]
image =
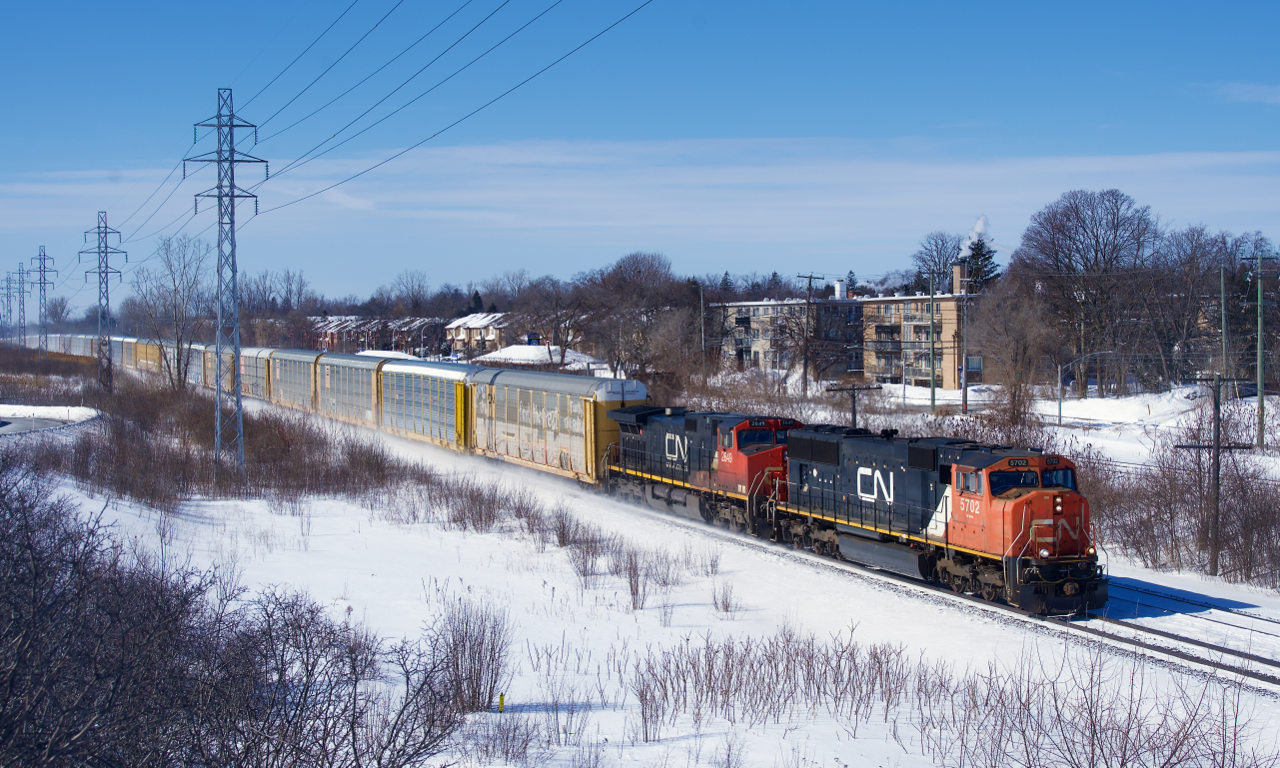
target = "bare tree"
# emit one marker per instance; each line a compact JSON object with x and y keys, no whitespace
{"x":1085,"y":251}
{"x":172,"y":301}
{"x":559,"y":311}
{"x":57,"y":310}
{"x":937,"y":252}
{"x":412,"y":291}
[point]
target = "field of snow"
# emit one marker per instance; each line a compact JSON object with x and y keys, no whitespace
{"x":578,"y":644}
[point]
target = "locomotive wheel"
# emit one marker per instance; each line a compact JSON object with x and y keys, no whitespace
{"x":990,"y":592}
{"x":959,"y":584}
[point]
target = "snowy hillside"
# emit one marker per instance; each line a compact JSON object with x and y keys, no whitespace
{"x":594,"y":664}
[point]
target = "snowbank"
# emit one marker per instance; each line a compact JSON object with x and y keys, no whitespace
{"x":71,"y":414}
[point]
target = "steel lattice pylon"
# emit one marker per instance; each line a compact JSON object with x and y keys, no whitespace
{"x":8,"y":304}
{"x":23,"y":290}
{"x":103,"y":251}
{"x":43,"y":282}
{"x":228,"y":414}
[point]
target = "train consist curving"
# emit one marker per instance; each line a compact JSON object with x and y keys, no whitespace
{"x":1006,"y":523}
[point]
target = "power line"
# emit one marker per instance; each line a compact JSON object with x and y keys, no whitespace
{"x":299,"y":56}
{"x":391,"y":61}
{"x":395,"y":90}
{"x":334,"y":64}
{"x":303,"y":161}
{"x":469,"y":115}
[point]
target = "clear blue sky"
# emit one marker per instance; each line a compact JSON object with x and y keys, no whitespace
{"x":744,"y":135}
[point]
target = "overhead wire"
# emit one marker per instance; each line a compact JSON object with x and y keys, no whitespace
{"x":334,"y":64}
{"x":303,"y":161}
{"x":300,"y":55}
{"x":395,"y":90}
{"x":391,"y":61}
{"x":467,"y":116}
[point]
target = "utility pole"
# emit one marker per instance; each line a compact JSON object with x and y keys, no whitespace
{"x":228,"y":428}
{"x":808,"y":307}
{"x":103,"y":251}
{"x":853,"y":399}
{"x":933,"y":395}
{"x":23,"y":290}
{"x":1222,"y":305}
{"x":43,"y":282}
{"x":964,"y":333}
{"x":1262,"y":380}
{"x":1215,"y":481}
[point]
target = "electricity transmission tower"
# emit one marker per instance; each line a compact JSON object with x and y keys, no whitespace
{"x":23,"y":290}
{"x":43,"y":282}
{"x":8,"y":304}
{"x":228,"y":423}
{"x":103,"y":251}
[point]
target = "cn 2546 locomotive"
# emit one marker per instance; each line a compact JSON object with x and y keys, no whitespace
{"x":1005,"y":523}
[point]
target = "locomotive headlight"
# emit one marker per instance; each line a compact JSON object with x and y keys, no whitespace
{"x":1057,"y":504}
{"x":1091,"y":551}
{"x":1044,"y":553}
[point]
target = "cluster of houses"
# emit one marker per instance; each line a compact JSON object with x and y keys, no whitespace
{"x":886,"y":338}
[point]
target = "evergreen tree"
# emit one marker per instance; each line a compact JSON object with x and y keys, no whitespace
{"x":726,"y":283}
{"x":775,"y":285}
{"x":982,"y":266}
{"x":849,"y":281}
{"x":477,"y":304}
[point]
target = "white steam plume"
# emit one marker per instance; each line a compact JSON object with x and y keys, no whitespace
{"x":979,"y":232}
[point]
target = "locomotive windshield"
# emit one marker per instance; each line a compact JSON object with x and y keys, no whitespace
{"x":754,"y":436}
{"x":1058,"y":478}
{"x":782,"y":437}
{"x":1004,"y":481}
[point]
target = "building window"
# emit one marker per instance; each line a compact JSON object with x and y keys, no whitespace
{"x":755,"y":311}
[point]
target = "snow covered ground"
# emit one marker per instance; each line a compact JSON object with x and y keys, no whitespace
{"x":582,"y":643}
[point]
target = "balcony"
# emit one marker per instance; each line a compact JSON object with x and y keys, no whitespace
{"x":877,"y":318}
{"x":923,"y":373}
{"x":914,"y":318}
{"x":880,"y":370}
{"x":885,"y":345}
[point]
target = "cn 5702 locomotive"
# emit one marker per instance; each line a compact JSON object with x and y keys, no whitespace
{"x":1002,"y":522}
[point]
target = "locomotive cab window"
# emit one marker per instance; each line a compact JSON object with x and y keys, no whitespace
{"x":782,"y":437}
{"x":754,"y":436}
{"x":726,"y":440}
{"x":1002,"y":482}
{"x":971,"y":482}
{"x":1058,"y":478}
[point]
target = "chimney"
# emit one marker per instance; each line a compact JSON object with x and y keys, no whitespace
{"x":960,"y":278}
{"x":839,"y":290}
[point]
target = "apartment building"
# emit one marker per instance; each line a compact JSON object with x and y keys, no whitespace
{"x":883,"y":338}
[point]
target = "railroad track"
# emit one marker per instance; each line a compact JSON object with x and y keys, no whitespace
{"x":1061,"y":623}
{"x":1187,"y":601}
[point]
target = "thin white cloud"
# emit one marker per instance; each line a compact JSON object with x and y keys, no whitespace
{"x":467,"y":212}
{"x":1256,"y":92}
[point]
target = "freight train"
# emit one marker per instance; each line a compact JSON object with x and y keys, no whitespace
{"x":1002,"y":522}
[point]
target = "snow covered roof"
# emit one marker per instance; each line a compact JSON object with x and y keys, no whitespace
{"x":522,"y":354}
{"x":388,"y":354}
{"x":482,"y":320}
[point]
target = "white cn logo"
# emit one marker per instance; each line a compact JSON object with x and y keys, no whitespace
{"x":873,"y":478}
{"x":677,"y":448}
